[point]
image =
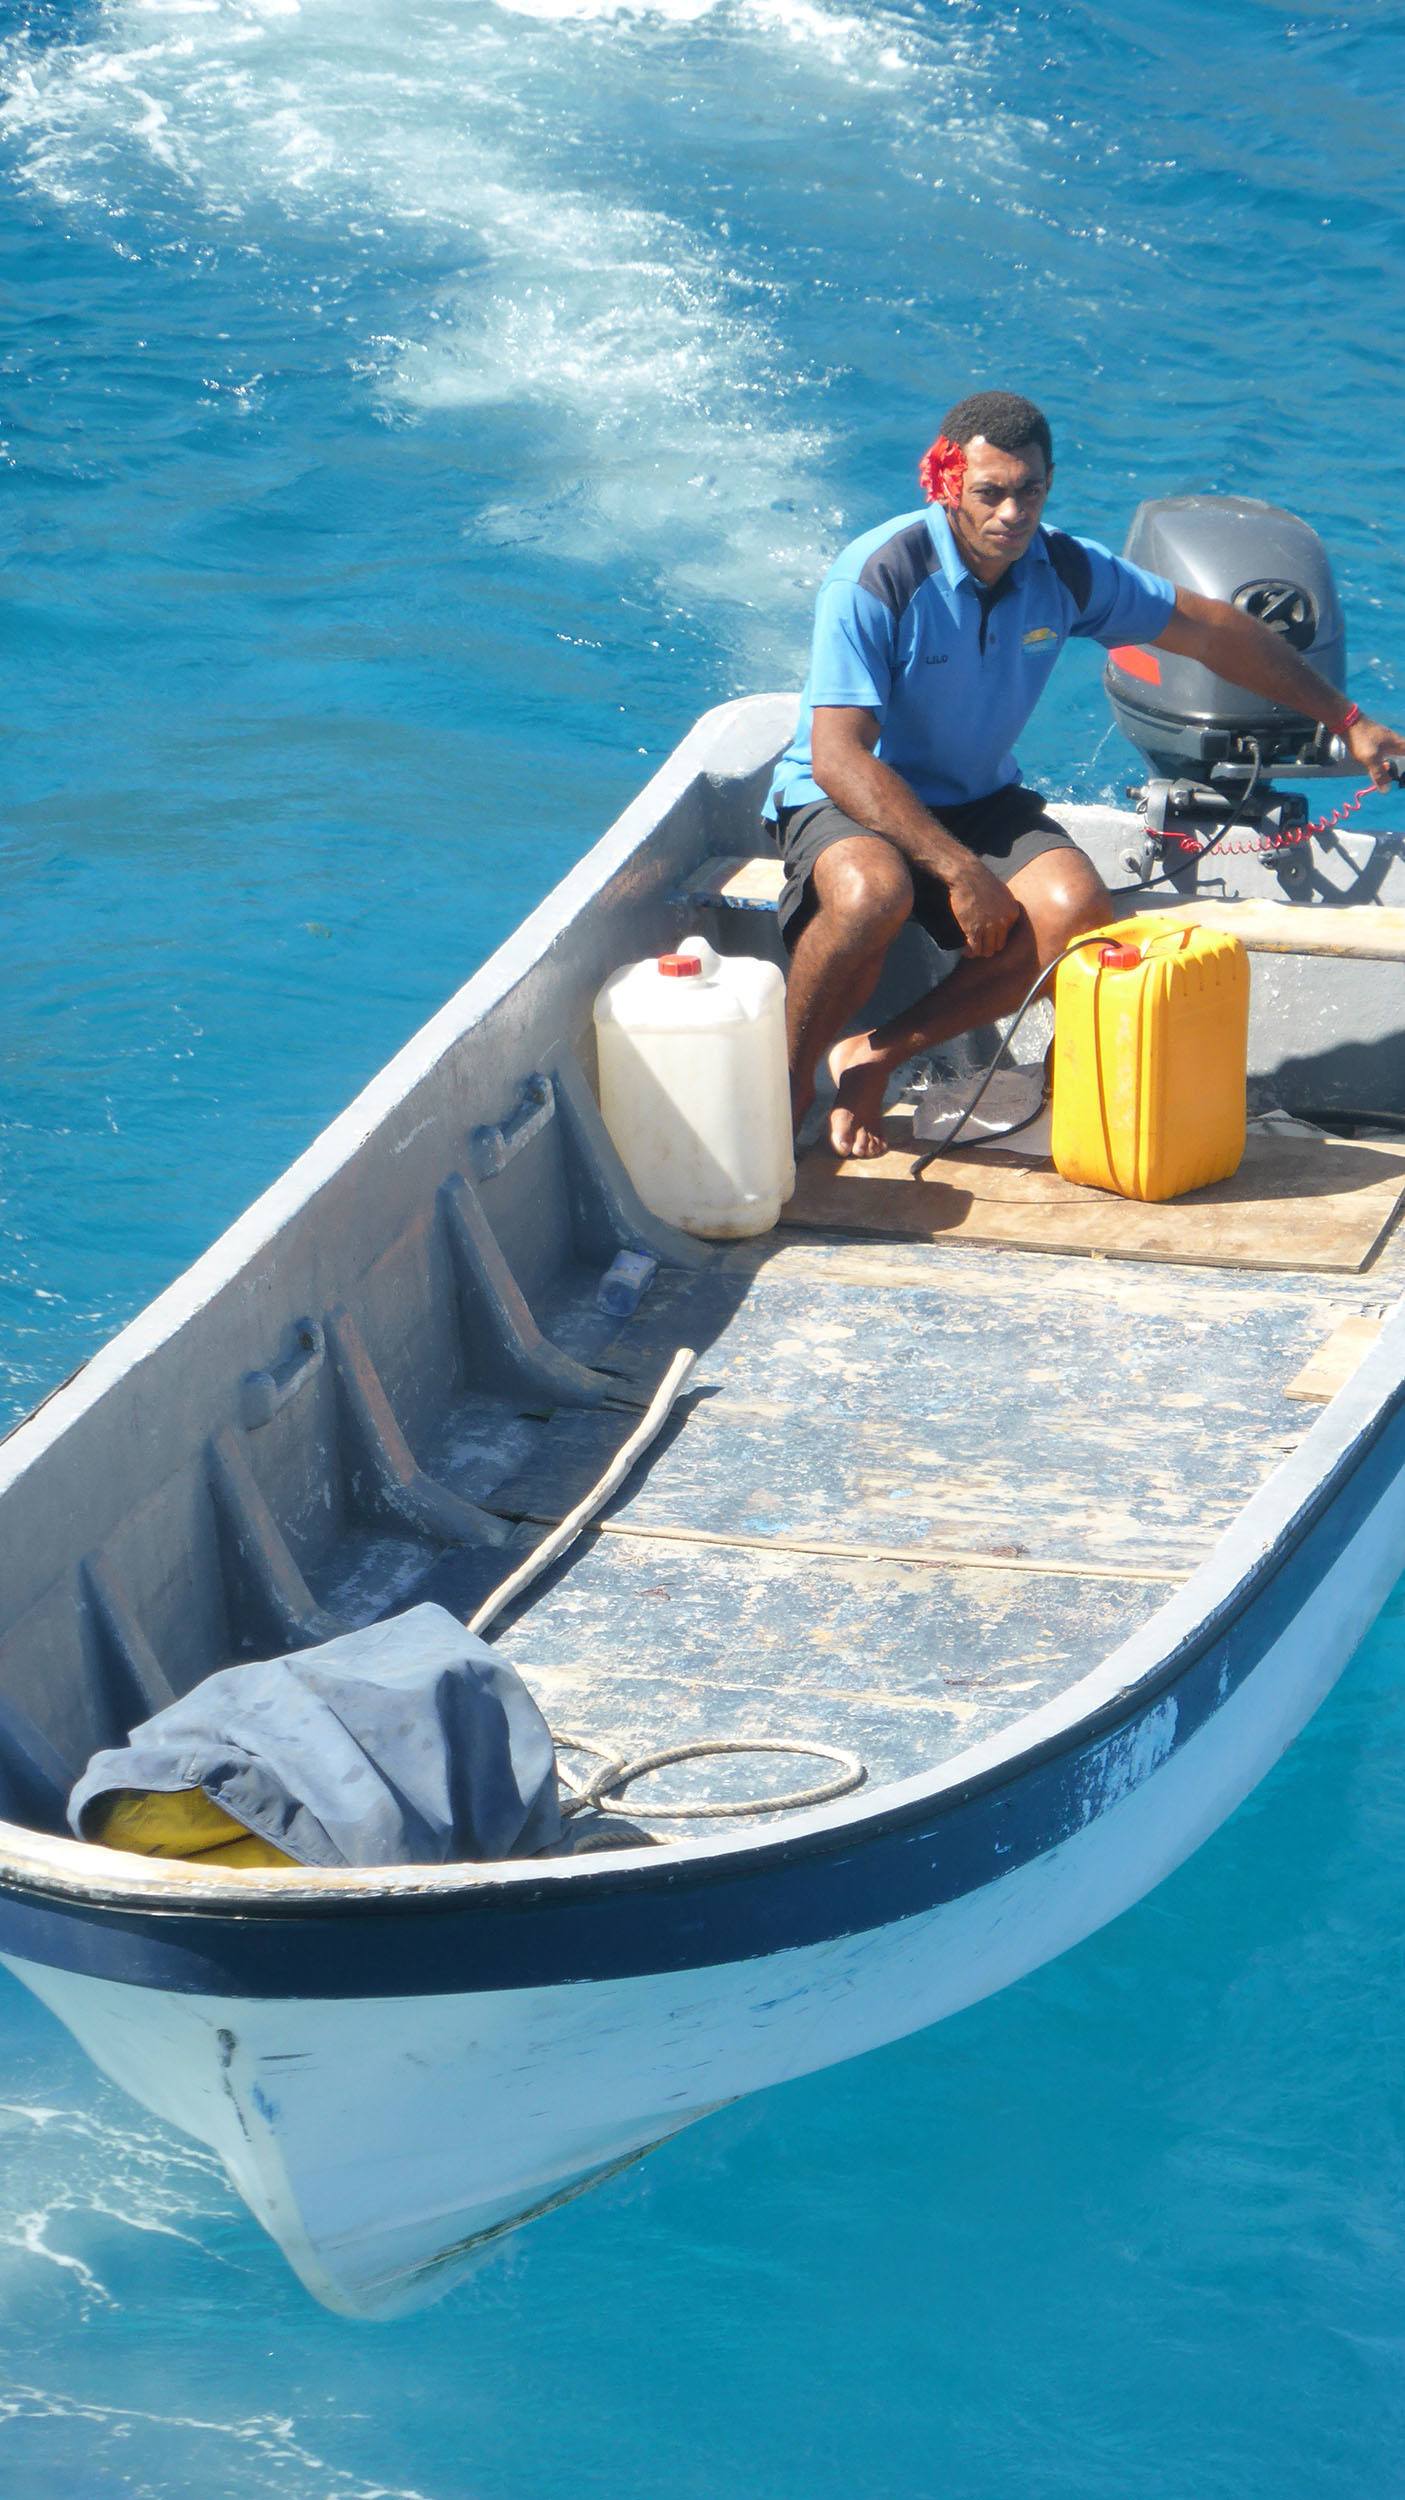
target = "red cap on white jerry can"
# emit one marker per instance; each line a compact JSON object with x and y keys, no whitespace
{"x":678,"y":967}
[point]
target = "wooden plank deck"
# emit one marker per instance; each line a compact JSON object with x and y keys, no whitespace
{"x":1295,"y":1202}
{"x":1368,"y":932}
{"x":919,"y":1490}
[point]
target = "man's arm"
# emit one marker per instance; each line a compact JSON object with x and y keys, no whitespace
{"x":1239,"y":648}
{"x":842,"y":740}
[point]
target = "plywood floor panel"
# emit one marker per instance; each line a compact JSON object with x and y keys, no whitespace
{"x":1295,"y":1204}
{"x":651,"y":1643}
{"x":1105,"y":1430}
{"x":907,"y":1396}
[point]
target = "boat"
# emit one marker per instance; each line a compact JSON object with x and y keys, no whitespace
{"x":1058,"y":1514}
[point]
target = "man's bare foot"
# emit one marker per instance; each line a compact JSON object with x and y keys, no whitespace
{"x":860,"y":1079}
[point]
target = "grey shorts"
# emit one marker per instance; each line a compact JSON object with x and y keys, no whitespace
{"x":1005,"y":831}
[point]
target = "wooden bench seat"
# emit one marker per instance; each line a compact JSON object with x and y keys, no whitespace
{"x":1370,"y":931}
{"x":725,"y":883}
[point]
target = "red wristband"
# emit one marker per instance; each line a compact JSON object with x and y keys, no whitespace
{"x":1348,"y":720}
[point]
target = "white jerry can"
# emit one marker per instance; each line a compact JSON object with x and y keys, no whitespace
{"x":694,"y":1089}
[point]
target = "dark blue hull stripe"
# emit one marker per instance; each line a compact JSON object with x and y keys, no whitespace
{"x":629,"y":1923}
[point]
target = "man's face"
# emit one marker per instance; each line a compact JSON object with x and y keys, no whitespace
{"x":1002,"y":496}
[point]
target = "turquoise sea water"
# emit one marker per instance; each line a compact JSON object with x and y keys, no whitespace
{"x":417,"y":411}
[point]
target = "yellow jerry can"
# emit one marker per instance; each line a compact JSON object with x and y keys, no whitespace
{"x":1151,"y":1033}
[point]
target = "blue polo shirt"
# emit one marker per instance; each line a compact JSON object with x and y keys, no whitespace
{"x":954,"y":668}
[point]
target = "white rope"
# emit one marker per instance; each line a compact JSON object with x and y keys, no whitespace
{"x":552,"y":1546}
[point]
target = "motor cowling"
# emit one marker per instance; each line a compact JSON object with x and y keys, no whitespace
{"x":1184,"y":719}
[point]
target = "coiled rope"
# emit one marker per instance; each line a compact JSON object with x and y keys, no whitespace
{"x":604,"y":1787}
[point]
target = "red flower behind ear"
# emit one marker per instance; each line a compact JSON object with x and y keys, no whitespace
{"x":941,"y":472}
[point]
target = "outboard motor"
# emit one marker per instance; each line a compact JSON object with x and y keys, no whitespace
{"x":1211,"y":745}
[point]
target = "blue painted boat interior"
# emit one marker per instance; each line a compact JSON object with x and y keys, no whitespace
{"x":916,"y":1488}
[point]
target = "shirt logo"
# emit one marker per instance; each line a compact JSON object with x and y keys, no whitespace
{"x":1038,"y":634}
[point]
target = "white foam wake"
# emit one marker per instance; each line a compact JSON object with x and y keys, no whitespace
{"x":243,"y":2456}
{"x":663,"y":423}
{"x":71,"y":2172}
{"x":655,"y":388}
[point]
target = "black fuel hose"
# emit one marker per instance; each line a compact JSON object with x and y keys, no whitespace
{"x":1095,"y":937}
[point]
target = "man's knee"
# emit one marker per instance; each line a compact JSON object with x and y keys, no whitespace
{"x":1063,"y":895}
{"x":863,"y":887}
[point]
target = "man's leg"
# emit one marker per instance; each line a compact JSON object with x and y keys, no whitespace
{"x":862,"y":894}
{"x":1060,"y":894}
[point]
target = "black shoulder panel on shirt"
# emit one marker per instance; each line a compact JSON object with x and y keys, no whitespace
{"x":1071,"y":563}
{"x":896,"y":571}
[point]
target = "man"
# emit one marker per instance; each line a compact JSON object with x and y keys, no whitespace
{"x":899,"y":797}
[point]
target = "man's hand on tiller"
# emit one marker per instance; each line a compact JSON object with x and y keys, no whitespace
{"x":1371,"y":745}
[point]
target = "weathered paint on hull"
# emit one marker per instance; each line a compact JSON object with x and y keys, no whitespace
{"x":382,"y":2144}
{"x":393,"y":2062}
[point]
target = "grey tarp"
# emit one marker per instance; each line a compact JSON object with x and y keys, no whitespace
{"x":410,"y":1743}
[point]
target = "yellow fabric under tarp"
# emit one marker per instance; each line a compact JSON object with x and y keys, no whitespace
{"x":180,"y":1823}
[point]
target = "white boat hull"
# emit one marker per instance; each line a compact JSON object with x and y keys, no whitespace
{"x":384,"y":2144}
{"x":396,"y":2063}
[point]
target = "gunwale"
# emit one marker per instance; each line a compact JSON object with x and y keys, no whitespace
{"x":1108,"y":1697}
{"x":1274,"y":1524}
